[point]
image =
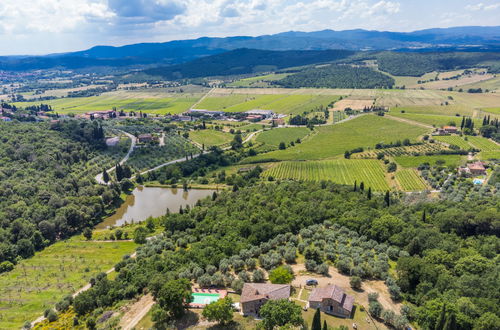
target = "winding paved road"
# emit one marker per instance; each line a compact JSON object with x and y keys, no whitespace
{"x":98,"y":177}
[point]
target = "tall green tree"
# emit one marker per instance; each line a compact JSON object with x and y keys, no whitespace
{"x":220,"y":311}
{"x":105,"y":176}
{"x":316,"y":323}
{"x":281,"y":312}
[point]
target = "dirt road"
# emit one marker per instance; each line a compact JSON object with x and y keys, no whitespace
{"x":136,"y":312}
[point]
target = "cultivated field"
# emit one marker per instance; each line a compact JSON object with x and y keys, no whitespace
{"x":483,"y":144}
{"x":287,"y":135}
{"x":60,"y":269}
{"x":280,"y":103}
{"x":258,"y":81}
{"x":434,"y":120}
{"x":457,"y":83}
{"x":355,"y":104}
{"x":410,"y":180}
{"x":459,"y":141}
{"x":210,"y":137}
{"x":415,"y":161}
{"x":333,"y":140}
{"x":342,"y":171}
{"x":146,"y":101}
{"x":415,"y":150}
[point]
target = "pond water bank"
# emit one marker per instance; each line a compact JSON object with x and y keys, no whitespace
{"x":145,"y":202}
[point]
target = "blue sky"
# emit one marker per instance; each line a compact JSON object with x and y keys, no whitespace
{"x":48,"y":26}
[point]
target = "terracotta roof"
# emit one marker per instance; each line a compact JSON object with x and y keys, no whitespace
{"x":256,"y":291}
{"x":449,"y":127}
{"x":476,"y":166}
{"x":333,"y":292}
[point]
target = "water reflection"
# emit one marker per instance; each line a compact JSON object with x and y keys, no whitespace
{"x":145,"y":202}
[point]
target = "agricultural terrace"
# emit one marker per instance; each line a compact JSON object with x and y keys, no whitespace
{"x":446,"y":160}
{"x":483,"y":144}
{"x":415,"y":150}
{"x":60,"y":269}
{"x":123,"y":100}
{"x":210,"y":137}
{"x":252,"y":127}
{"x":342,"y":171}
{"x":410,"y":180}
{"x":277,"y":135}
{"x":279,"y":103}
{"x":333,"y":140}
{"x":438,"y":110}
{"x":456,"y":140}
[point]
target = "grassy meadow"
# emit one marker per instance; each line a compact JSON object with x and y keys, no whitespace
{"x":333,"y":140}
{"x":287,"y":135}
{"x":342,"y":171}
{"x":210,"y":137}
{"x":61,"y":269}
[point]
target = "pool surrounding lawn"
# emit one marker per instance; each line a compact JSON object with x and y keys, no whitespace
{"x":205,"y":298}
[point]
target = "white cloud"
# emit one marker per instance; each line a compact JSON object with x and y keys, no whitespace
{"x":482,"y":7}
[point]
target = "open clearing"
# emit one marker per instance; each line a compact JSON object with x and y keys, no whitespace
{"x":259,"y":81}
{"x":342,"y":171}
{"x":210,"y":137}
{"x":333,"y":140}
{"x":60,"y":269}
{"x":462,"y":81}
{"x":355,"y":104}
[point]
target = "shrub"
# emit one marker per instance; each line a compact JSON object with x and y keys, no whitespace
{"x":323,"y":269}
{"x":355,"y":282}
{"x":237,"y":285}
{"x":373,"y":296}
{"x":258,"y":276}
{"x":281,"y":275}
{"x":52,"y":316}
{"x":375,"y":309}
{"x":311,"y":265}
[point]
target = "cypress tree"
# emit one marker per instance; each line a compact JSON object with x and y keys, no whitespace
{"x":325,"y":326}
{"x":105,"y":176}
{"x":451,"y":322}
{"x":387,"y":199}
{"x":316,"y":323}
{"x":369,"y":193}
{"x":463,"y":123}
{"x":119,"y":172}
{"x":424,"y":216}
{"x":355,"y":185}
{"x":362,"y":186}
{"x":441,"y":319}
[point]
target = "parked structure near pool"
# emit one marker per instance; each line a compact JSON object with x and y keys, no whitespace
{"x":254,"y":295}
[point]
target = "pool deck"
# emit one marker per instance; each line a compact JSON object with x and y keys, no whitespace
{"x":222,"y":294}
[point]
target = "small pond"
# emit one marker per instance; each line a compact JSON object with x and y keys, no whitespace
{"x":145,"y":202}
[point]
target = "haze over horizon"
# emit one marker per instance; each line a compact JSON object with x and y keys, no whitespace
{"x":33,"y":27}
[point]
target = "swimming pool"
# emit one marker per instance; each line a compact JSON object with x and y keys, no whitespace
{"x":204,"y":298}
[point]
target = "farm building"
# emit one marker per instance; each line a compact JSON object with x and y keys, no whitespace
{"x":145,"y":138}
{"x":476,"y":168}
{"x":202,"y":112}
{"x":450,"y":129}
{"x":254,"y":295}
{"x":332,"y":300}
{"x":266,"y":114}
{"x":111,"y":142}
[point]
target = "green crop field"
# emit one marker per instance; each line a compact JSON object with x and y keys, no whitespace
{"x":287,"y":135}
{"x":436,"y":120}
{"x":440,"y":110}
{"x":333,"y":140}
{"x":62,"y":268}
{"x":210,"y":137}
{"x":487,"y":155}
{"x":258,"y":81}
{"x":342,"y":171}
{"x":455,"y":140}
{"x":483,"y":144}
{"x":415,"y":161}
{"x":281,"y":103}
{"x":493,"y":110}
{"x":120,"y":100}
{"x":409,"y":180}
{"x":252,"y":127}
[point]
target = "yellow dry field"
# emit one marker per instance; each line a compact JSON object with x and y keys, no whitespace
{"x":353,"y":104}
{"x":60,"y":92}
{"x":462,"y":81}
{"x":449,"y":74}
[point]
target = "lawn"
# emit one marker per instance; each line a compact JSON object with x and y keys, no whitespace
{"x":334,"y":140}
{"x":287,"y":135}
{"x":210,"y":137}
{"x":415,"y":161}
{"x":342,"y":171}
{"x":62,"y":268}
{"x":410,"y":180}
{"x":360,"y":318}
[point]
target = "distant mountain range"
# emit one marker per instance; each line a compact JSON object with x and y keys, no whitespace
{"x":175,"y":52}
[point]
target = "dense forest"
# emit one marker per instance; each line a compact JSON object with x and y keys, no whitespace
{"x":417,"y":64}
{"x":243,"y":61}
{"x":337,"y":76}
{"x":47,"y":190}
{"x":444,"y":252}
